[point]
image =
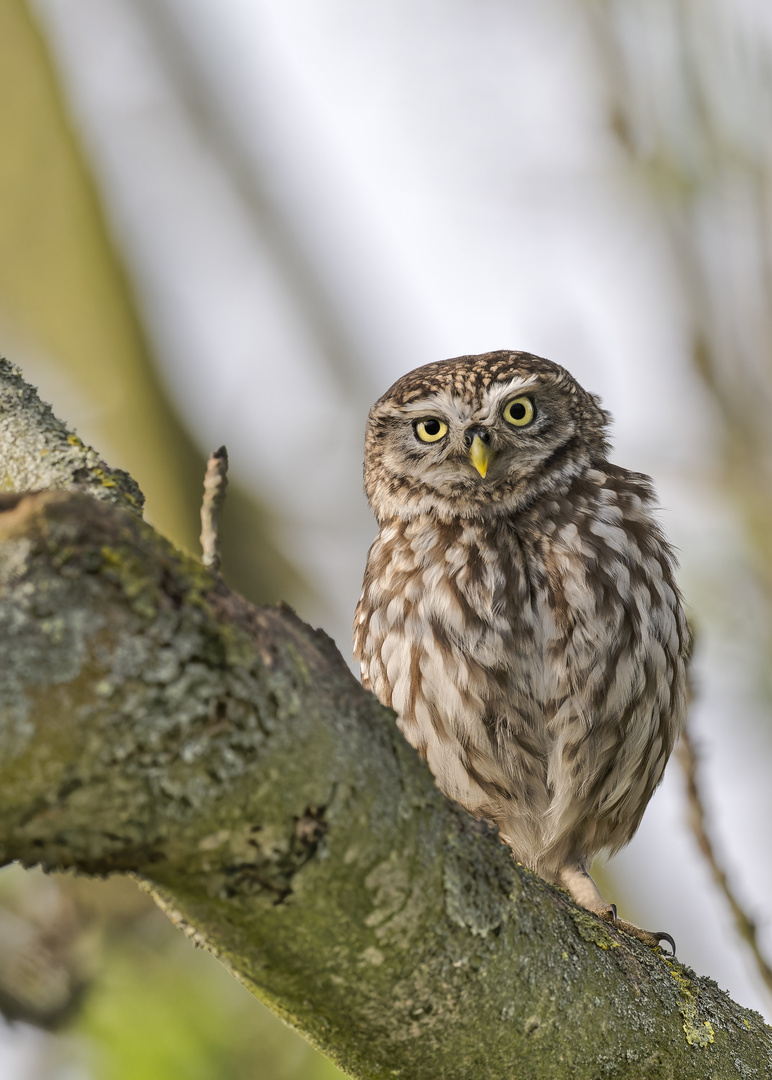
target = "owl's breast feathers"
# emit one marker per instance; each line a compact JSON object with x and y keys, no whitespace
{"x":537,"y":661}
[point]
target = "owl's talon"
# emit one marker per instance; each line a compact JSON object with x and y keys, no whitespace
{"x":660,"y":935}
{"x":613,"y":913}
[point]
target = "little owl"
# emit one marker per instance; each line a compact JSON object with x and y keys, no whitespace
{"x":519,"y":609}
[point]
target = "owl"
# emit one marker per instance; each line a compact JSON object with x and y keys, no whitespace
{"x":519,"y":609}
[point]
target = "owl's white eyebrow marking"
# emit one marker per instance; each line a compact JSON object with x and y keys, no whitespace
{"x":449,"y":403}
{"x":443,"y":401}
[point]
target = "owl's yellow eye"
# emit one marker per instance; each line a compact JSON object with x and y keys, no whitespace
{"x":431,"y":430}
{"x":519,"y":411}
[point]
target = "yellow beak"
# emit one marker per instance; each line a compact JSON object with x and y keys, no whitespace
{"x":481,"y":455}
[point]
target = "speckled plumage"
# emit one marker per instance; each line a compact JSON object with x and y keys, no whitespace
{"x":525,"y":625}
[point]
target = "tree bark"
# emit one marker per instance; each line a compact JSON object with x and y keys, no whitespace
{"x":154,"y":722}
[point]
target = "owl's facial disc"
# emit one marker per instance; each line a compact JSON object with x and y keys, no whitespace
{"x":474,"y":435}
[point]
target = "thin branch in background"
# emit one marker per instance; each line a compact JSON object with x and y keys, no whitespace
{"x":746,"y":927}
{"x":215,"y":483}
{"x":699,"y":172}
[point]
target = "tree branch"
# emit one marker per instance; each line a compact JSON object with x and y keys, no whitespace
{"x":745,"y":925}
{"x":37,"y":451}
{"x":153,"y":721}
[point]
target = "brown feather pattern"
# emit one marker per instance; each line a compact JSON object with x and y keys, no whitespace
{"x":526,"y":627}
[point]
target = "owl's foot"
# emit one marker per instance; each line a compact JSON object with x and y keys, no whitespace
{"x":651,"y":938}
{"x":586,"y":893}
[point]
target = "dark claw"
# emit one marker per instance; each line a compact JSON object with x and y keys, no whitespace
{"x":660,"y":935}
{"x":613,"y":913}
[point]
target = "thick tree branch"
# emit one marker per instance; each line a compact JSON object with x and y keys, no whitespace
{"x":152,"y":721}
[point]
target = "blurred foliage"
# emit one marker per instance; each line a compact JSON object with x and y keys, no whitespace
{"x":164,"y":1010}
{"x":154,"y":1006}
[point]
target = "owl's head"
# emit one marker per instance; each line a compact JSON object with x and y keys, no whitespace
{"x":466,"y":436}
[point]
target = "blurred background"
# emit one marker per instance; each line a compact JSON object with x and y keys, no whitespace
{"x":240,"y":222}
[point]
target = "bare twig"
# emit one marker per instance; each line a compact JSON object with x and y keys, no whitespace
{"x":746,"y":927}
{"x":215,"y":483}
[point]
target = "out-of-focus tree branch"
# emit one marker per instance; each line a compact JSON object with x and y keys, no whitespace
{"x":700,"y":147}
{"x":306,"y":278}
{"x":746,"y":926}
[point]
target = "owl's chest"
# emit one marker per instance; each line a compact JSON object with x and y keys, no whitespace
{"x":451,"y":601}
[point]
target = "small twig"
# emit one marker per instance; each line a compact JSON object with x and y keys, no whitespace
{"x":746,"y":927}
{"x":215,"y":483}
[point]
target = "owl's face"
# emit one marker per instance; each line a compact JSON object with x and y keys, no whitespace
{"x":462,"y":436}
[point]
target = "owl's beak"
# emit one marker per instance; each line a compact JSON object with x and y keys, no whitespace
{"x":480,"y":454}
